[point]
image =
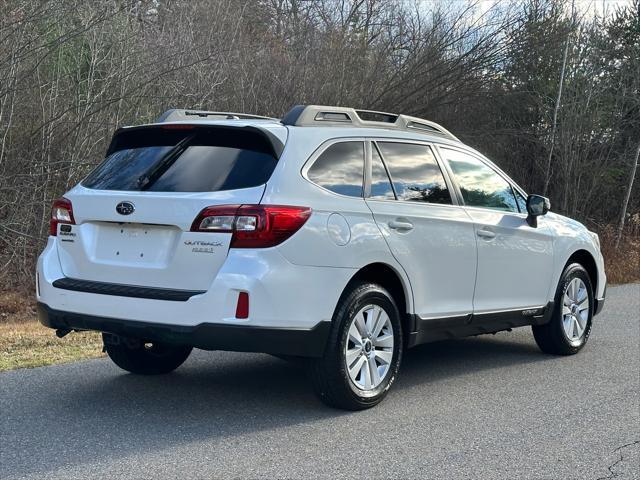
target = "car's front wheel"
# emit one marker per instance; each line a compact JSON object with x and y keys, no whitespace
{"x":570,"y":325}
{"x":363,"y":352}
{"x":144,"y":358}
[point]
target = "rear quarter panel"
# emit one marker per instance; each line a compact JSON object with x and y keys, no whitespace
{"x":341,"y":232}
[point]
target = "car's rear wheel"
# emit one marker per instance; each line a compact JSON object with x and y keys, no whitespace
{"x":142,"y":357}
{"x":570,"y":326}
{"x":363,"y":352}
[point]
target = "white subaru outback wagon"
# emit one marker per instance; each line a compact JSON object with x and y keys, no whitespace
{"x":343,"y":236}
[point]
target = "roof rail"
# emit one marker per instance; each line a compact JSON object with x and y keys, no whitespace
{"x":177,"y":114}
{"x":319,"y":115}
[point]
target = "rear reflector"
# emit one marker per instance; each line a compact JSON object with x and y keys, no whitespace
{"x":242,"y":308}
{"x":61,"y":213}
{"x":252,"y":226}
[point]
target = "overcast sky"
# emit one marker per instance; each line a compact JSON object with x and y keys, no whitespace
{"x":592,"y":7}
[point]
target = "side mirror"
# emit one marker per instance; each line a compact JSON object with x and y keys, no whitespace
{"x":536,"y":205}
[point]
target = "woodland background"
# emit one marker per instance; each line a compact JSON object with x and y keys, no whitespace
{"x":548,"y":89}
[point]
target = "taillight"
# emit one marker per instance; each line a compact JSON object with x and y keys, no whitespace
{"x":252,"y":226}
{"x":61,"y":212}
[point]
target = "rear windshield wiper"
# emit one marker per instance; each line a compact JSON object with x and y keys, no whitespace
{"x":147,"y":180}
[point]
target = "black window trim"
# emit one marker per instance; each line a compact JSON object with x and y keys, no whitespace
{"x":373,"y":141}
{"x":369,"y":169}
{"x":516,"y":189}
{"x":514,"y":186}
{"x":321,"y":149}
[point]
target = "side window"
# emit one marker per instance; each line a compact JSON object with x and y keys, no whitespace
{"x":480,"y":185}
{"x":415,"y":173}
{"x":380,"y":184}
{"x":340,"y":168}
{"x":522,"y":202}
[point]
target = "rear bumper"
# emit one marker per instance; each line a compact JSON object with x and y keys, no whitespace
{"x":207,"y":336}
{"x":282,"y":295}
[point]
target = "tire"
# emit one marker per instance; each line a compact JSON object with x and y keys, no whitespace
{"x":144,"y":358}
{"x":330,"y":375}
{"x":567,"y":316}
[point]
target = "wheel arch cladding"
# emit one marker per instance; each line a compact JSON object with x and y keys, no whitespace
{"x":387,"y":277}
{"x":585,"y":259}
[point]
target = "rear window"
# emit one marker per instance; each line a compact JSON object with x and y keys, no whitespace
{"x":185,"y":160}
{"x":340,"y":168}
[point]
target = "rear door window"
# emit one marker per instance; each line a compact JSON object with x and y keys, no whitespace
{"x":415,"y":173}
{"x":189,"y":160}
{"x":340,"y":169}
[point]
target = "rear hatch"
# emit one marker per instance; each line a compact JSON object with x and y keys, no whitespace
{"x":133,"y":214}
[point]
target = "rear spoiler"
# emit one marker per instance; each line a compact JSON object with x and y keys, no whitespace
{"x":229,"y":135}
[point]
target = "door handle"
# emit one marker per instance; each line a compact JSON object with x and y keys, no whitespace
{"x":400,"y":225}
{"x":486,"y":234}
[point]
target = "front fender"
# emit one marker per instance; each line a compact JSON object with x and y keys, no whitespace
{"x":571,"y":238}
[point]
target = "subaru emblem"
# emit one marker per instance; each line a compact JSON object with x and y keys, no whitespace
{"x":125,"y":208}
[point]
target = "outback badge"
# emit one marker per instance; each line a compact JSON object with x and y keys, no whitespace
{"x":125,"y":208}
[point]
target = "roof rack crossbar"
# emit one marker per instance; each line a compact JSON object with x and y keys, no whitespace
{"x":317,"y":115}
{"x":178,"y":114}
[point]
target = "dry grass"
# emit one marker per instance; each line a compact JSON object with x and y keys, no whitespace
{"x":25,"y":343}
{"x":622,"y":264}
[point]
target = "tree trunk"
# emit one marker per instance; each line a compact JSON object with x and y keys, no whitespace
{"x":625,"y":202}
{"x":547,"y":173}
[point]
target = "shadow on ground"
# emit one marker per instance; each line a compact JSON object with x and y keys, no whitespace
{"x":213,"y":397}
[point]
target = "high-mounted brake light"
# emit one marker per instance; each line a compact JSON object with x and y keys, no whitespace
{"x":252,"y":226}
{"x":61,"y":213}
{"x":178,"y":126}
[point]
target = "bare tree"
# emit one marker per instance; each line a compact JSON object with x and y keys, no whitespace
{"x":71,"y":72}
{"x":625,"y":202}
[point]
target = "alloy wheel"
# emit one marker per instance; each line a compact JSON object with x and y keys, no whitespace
{"x":369,"y":347}
{"x":575,"y":311}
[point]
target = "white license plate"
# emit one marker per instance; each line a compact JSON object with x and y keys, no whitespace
{"x":135,"y":243}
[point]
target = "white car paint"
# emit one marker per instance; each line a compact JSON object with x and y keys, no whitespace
{"x":515,"y":261}
{"x":444,"y":267}
{"x":443,"y":273}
